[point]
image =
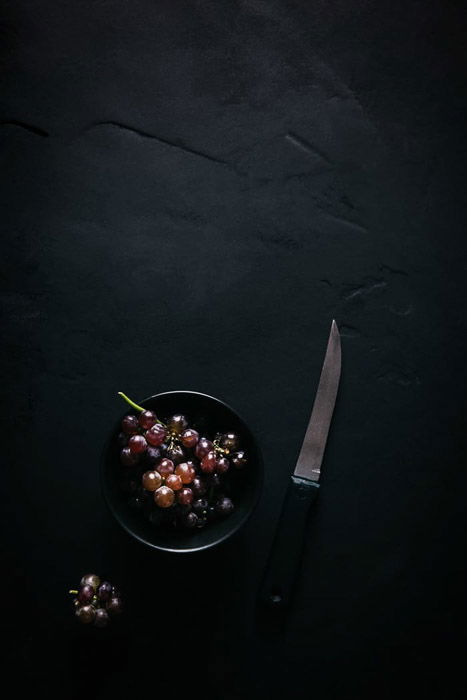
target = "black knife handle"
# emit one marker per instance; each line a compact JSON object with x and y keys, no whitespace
{"x":284,"y":559}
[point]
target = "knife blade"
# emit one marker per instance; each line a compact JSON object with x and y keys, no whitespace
{"x":284,"y":559}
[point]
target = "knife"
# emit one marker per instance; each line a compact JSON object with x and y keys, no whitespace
{"x":302,"y":491}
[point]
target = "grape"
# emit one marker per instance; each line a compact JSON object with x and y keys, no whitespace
{"x":208,"y":463}
{"x":91,"y":580}
{"x":174,"y":482}
{"x":230,"y":441}
{"x":190,"y":520}
{"x":200,"y":506}
{"x":177,"y":424}
{"x":164,"y":497}
{"x":151,"y":455}
{"x":176,"y":453}
{"x":104,"y":591}
{"x":186,"y":472}
{"x":222,"y":465}
{"x":156,"y":435}
{"x":185,"y":496}
{"x":198,"y":487}
{"x":137,"y":444}
{"x":86,"y":614}
{"x":215,"y":481}
{"x":203,"y":447}
{"x":151,"y":480}
{"x":128,"y":458}
{"x":122,"y":439}
{"x":224,"y":506}
{"x":114,"y":605}
{"x":101,"y":618}
{"x":189,"y":437}
{"x":165,"y":467}
{"x":147,"y":419}
{"x":85,"y":594}
{"x":130,"y":424}
{"x":238,"y":459}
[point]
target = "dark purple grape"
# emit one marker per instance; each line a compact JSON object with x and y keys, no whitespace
{"x":189,"y":520}
{"x":156,"y":435}
{"x":198,"y":486}
{"x":137,"y":444}
{"x":114,"y":605}
{"x":104,"y":592}
{"x":85,"y":594}
{"x":230,"y":442}
{"x":128,"y":458}
{"x":203,"y":447}
{"x":91,"y":580}
{"x":224,"y":506}
{"x":86,"y":614}
{"x":238,"y":459}
{"x":122,"y":439}
{"x":222,"y":465}
{"x":151,"y":455}
{"x":176,"y":453}
{"x":184,"y":496}
{"x":147,"y":419}
{"x":130,"y":424}
{"x":211,"y":513}
{"x":177,"y":424}
{"x":200,"y":506}
{"x":101,"y":618}
{"x":215,"y":481}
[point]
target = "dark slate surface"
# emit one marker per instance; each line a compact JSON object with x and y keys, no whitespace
{"x":191,"y":192}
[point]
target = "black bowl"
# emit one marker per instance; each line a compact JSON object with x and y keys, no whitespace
{"x":208,"y":415}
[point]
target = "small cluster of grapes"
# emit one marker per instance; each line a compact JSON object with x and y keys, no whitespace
{"x":96,"y":601}
{"x":181,"y":472}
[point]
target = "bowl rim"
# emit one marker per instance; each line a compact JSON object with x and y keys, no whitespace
{"x":188,"y":550}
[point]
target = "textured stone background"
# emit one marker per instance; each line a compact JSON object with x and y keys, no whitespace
{"x":191,"y":191}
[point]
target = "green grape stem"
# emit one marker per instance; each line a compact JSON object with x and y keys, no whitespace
{"x":136,"y":407}
{"x":73,"y":592}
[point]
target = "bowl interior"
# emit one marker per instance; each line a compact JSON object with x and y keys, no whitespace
{"x":208,"y":415}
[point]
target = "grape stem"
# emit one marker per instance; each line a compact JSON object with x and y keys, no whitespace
{"x":73,"y":592}
{"x":136,"y":407}
{"x":132,"y":403}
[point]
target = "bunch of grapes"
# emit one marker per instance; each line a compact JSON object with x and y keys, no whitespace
{"x":174,"y":474}
{"x":96,"y":601}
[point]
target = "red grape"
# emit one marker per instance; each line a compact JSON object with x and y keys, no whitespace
{"x":91,"y":580}
{"x":104,"y":591}
{"x":165,"y":467}
{"x":208,"y":463}
{"x":156,"y":435}
{"x":203,"y":447}
{"x":174,"y":482}
{"x":147,"y":419}
{"x":185,"y":496}
{"x":186,"y":472}
{"x":164,"y":497}
{"x":177,"y":424}
{"x":151,"y":480}
{"x":86,"y":614}
{"x":189,"y":437}
{"x":137,"y":444}
{"x":130,"y":424}
{"x":101,"y":618}
{"x":85,"y":594}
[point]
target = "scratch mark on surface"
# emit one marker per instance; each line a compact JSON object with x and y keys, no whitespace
{"x":165,"y":142}
{"x":36,"y":130}
{"x":305,"y":146}
{"x":346,"y":222}
{"x":364,"y":290}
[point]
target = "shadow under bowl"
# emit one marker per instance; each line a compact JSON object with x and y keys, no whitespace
{"x":208,"y":415}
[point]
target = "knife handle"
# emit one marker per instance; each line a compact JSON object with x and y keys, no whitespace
{"x":284,"y":559}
